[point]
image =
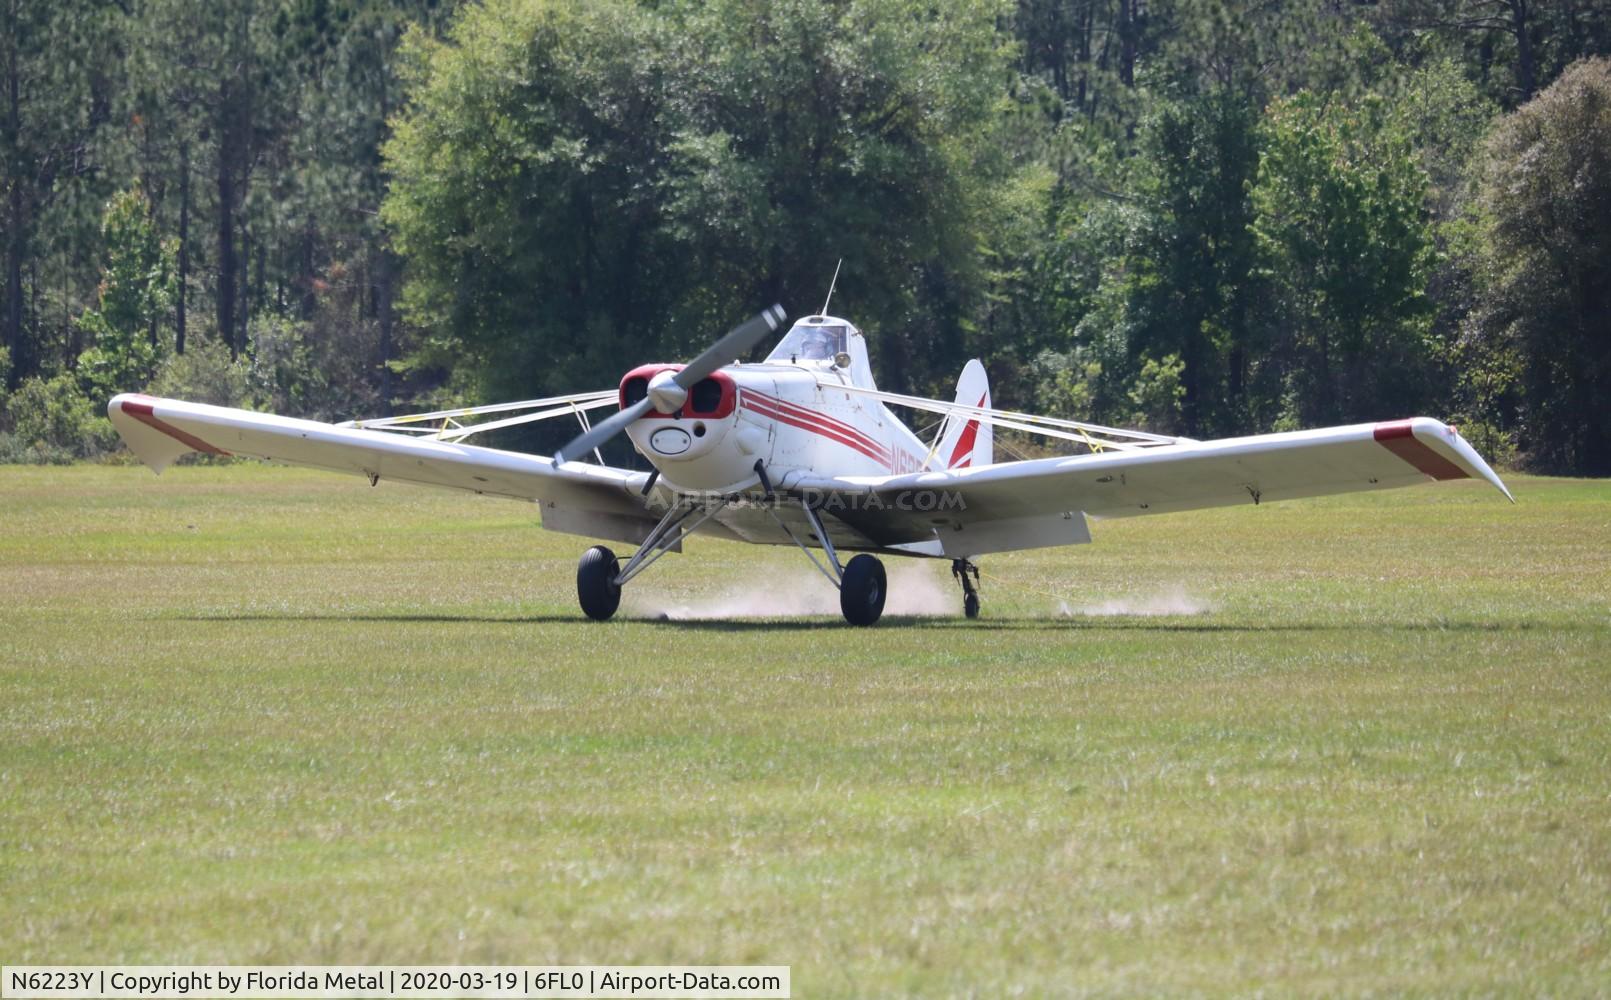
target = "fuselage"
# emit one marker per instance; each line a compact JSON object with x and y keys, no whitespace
{"x":786,"y":413}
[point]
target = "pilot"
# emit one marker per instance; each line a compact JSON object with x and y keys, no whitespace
{"x":817,"y":344}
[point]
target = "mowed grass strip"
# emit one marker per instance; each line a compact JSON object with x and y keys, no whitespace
{"x":263,"y":715}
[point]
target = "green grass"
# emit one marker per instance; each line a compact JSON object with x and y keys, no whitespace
{"x":260,"y":715}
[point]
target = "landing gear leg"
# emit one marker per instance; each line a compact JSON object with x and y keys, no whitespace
{"x":600,"y":575}
{"x":968,"y":574}
{"x":861,"y":582}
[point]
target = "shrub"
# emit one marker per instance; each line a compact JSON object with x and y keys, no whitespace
{"x":52,"y":421}
{"x":136,"y":289}
{"x":1158,"y":393}
{"x":285,"y":377}
{"x":204,"y":374}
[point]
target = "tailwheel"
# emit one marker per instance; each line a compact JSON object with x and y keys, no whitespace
{"x":968,"y":574}
{"x":596,"y":588}
{"x":861,"y":590}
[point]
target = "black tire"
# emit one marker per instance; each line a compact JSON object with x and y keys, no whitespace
{"x":596,"y":588}
{"x":861,"y":592}
{"x":970,"y":605}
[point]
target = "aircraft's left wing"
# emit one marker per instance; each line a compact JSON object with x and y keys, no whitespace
{"x":1044,"y":502}
{"x":577,"y":498}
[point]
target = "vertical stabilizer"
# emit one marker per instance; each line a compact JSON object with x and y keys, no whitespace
{"x":968,"y":440}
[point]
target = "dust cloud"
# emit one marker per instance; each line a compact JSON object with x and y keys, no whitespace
{"x":1170,"y":601}
{"x":915,"y":588}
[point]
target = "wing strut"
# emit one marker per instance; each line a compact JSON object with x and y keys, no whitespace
{"x":449,"y":426}
{"x":1095,"y":437}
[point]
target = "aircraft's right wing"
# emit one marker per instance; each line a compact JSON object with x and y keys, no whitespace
{"x":577,"y":498}
{"x":1018,"y":505}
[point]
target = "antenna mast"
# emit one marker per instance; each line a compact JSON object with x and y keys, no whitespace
{"x":824,"y":310}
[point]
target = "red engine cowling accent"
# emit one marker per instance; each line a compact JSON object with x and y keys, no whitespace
{"x":710,"y":398}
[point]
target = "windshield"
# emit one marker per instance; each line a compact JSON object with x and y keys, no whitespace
{"x":810,"y":343}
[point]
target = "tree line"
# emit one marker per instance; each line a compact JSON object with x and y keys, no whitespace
{"x":1204,"y":217}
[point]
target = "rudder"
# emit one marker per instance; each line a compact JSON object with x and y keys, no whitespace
{"x":968,"y":441}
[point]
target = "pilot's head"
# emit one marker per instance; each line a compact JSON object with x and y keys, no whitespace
{"x":816,"y":344}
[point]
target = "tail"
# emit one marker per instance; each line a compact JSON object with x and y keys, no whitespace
{"x":968,"y":441}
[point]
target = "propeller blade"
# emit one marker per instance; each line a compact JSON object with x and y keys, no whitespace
{"x":602,"y":431}
{"x":736,"y":344}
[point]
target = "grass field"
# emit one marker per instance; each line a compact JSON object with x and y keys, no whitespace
{"x":261,"y":715}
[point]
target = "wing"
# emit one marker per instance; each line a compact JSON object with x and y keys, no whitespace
{"x":594,"y":500}
{"x":1018,"y":505}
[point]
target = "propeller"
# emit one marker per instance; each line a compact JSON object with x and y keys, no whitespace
{"x":667,"y":390}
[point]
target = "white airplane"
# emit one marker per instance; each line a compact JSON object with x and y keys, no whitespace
{"x":803,"y":449}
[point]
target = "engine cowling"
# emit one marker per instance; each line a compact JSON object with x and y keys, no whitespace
{"x":694,"y":445}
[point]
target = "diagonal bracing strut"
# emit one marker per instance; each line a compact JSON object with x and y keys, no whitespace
{"x":833,"y":571}
{"x":667,"y":533}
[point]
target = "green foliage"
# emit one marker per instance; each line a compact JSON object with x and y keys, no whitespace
{"x":1260,"y":49}
{"x":1068,"y":189}
{"x":341,"y":349}
{"x":1158,"y":393}
{"x":1074,"y":315}
{"x":872,"y":130}
{"x":523,"y":191}
{"x":52,"y":422}
{"x":205,"y":373}
{"x":1342,"y":228}
{"x":1064,"y":384}
{"x":275,"y":374}
{"x":135,"y":294}
{"x":1445,"y":117}
{"x":1191,"y":281}
{"x":1544,"y":264}
{"x":575,"y":184}
{"x":282,"y":376}
{"x":59,"y":65}
{"x":1510,"y":48}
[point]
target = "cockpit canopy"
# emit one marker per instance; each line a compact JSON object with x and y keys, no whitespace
{"x":817,"y":341}
{"x":813,"y":339}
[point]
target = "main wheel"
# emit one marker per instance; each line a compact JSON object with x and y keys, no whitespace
{"x":596,"y":588}
{"x":970,"y":605}
{"x":861,"y":591}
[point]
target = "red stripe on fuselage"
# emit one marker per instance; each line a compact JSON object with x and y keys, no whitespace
{"x":818,"y":419}
{"x":819,"y":423}
{"x":1399,"y":438}
{"x":763,"y":406}
{"x":815,"y":416}
{"x":144,"y":413}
